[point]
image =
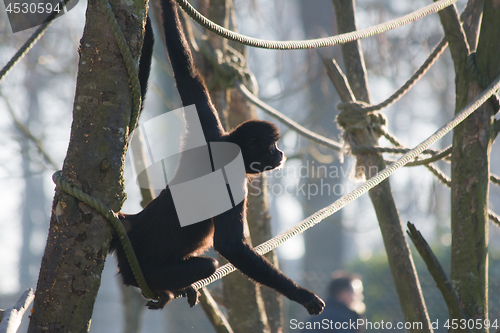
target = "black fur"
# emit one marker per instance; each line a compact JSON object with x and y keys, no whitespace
{"x":169,"y":254}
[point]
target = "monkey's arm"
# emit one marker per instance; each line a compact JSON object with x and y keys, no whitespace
{"x":230,"y":242}
{"x":190,"y":84}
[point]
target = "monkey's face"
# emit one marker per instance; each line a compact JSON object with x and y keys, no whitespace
{"x":261,"y":157}
{"x":257,"y":140}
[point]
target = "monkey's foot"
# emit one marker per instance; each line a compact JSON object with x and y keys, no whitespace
{"x":192,"y":295}
{"x":165,"y":297}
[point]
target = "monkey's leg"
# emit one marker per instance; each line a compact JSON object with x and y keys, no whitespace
{"x":180,"y":275}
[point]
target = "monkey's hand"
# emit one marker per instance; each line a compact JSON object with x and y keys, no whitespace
{"x":310,"y":301}
{"x":315,"y":305}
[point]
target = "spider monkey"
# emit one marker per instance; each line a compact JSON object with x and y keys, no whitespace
{"x":169,"y":254}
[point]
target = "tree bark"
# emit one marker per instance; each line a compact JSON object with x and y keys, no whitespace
{"x":472,"y":141}
{"x":78,"y":238}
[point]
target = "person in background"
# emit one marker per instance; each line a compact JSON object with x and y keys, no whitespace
{"x":344,"y":306}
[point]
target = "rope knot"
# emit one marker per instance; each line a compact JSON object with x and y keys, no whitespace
{"x":358,"y":115}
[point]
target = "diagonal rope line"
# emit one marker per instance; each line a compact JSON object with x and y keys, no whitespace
{"x":122,"y":45}
{"x":26,"y":47}
{"x":438,"y":50}
{"x":365,"y":187}
{"x":312,"y":43}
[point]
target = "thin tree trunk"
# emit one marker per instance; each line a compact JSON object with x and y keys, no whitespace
{"x":472,"y":141}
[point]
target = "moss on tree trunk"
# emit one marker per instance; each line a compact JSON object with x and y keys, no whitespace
{"x":472,"y":142}
{"x":78,"y":239}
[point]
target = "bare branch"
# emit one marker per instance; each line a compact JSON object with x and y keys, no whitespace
{"x":437,"y":272}
{"x":455,"y":35}
{"x":12,"y":317}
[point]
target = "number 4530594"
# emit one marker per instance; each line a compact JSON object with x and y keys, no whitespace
{"x":32,"y":8}
{"x":470,"y":324}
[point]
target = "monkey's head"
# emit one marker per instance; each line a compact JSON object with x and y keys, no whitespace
{"x":257,"y":141}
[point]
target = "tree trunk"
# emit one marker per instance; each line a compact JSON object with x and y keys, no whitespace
{"x":472,"y":141}
{"x":78,"y":238}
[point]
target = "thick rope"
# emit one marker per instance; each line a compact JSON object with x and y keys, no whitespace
{"x":312,"y":43}
{"x":357,"y":114}
{"x":129,"y":60}
{"x":365,"y":187}
{"x":334,"y":145}
{"x":337,"y":146}
{"x":115,"y":222}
